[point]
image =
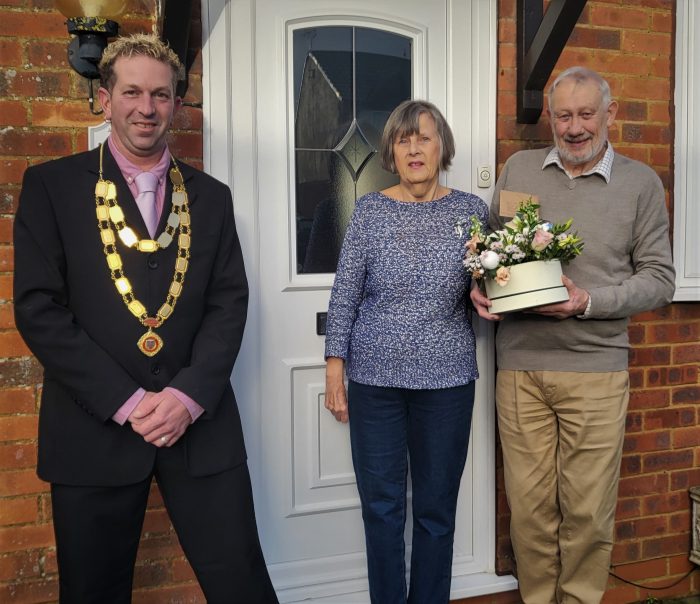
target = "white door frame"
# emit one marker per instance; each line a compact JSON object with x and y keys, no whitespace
{"x":230,"y":106}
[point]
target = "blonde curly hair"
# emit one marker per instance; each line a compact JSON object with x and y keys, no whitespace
{"x":146,"y":45}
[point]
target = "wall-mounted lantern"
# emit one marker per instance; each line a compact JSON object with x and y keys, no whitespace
{"x":92,"y":22}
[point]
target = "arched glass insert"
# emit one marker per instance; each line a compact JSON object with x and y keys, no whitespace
{"x":347,"y":80}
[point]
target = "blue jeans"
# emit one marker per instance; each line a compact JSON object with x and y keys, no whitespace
{"x":432,"y":426}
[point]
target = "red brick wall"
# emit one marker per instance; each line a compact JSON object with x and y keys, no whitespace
{"x":43,"y":114}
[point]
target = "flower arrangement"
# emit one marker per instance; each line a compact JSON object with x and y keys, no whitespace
{"x":526,"y":238}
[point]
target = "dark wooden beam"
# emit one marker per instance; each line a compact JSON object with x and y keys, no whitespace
{"x":177,"y":17}
{"x":541,"y":38}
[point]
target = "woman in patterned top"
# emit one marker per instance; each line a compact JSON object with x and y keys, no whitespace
{"x":398,"y":326}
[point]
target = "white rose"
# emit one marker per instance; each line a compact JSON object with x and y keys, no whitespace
{"x":489,"y":259}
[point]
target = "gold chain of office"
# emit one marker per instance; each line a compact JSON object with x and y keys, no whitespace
{"x":109,"y":213}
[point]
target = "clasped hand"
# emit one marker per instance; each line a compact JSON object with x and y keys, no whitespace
{"x":160,"y":418}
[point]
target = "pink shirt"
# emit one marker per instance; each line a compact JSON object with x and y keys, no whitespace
{"x":130,"y":171}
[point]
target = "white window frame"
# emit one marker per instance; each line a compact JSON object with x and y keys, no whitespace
{"x":686,"y":198}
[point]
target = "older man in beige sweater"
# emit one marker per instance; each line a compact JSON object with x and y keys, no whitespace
{"x":562,"y":387}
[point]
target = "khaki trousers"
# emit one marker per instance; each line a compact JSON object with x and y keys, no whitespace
{"x":561,"y":435}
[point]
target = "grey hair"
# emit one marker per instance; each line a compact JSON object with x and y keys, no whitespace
{"x":404,"y":120}
{"x":581,"y":75}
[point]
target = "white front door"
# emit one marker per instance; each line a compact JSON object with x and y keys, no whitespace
{"x":296,"y":94}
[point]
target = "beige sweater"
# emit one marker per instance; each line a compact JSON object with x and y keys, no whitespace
{"x":626,"y":262}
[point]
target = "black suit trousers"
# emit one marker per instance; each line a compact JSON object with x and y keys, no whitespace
{"x":98,"y":531}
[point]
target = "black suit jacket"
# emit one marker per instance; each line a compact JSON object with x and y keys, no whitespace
{"x":75,"y":322}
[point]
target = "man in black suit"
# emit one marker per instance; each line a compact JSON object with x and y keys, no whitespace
{"x":134,"y":300}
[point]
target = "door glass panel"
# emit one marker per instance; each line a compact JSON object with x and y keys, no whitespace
{"x":347,"y":80}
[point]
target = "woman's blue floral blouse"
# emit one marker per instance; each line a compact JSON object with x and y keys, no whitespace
{"x":397,"y":312}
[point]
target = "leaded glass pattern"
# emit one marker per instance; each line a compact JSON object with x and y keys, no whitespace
{"x":347,"y":80}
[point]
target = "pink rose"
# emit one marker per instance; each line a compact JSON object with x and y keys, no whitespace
{"x":541,"y":240}
{"x":503,"y":276}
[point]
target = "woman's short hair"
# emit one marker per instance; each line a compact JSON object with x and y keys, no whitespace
{"x":135,"y":45}
{"x":404,"y":121}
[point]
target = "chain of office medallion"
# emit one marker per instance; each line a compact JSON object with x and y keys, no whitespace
{"x":105,"y":192}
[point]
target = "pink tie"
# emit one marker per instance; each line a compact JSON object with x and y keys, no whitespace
{"x":146,"y":184}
